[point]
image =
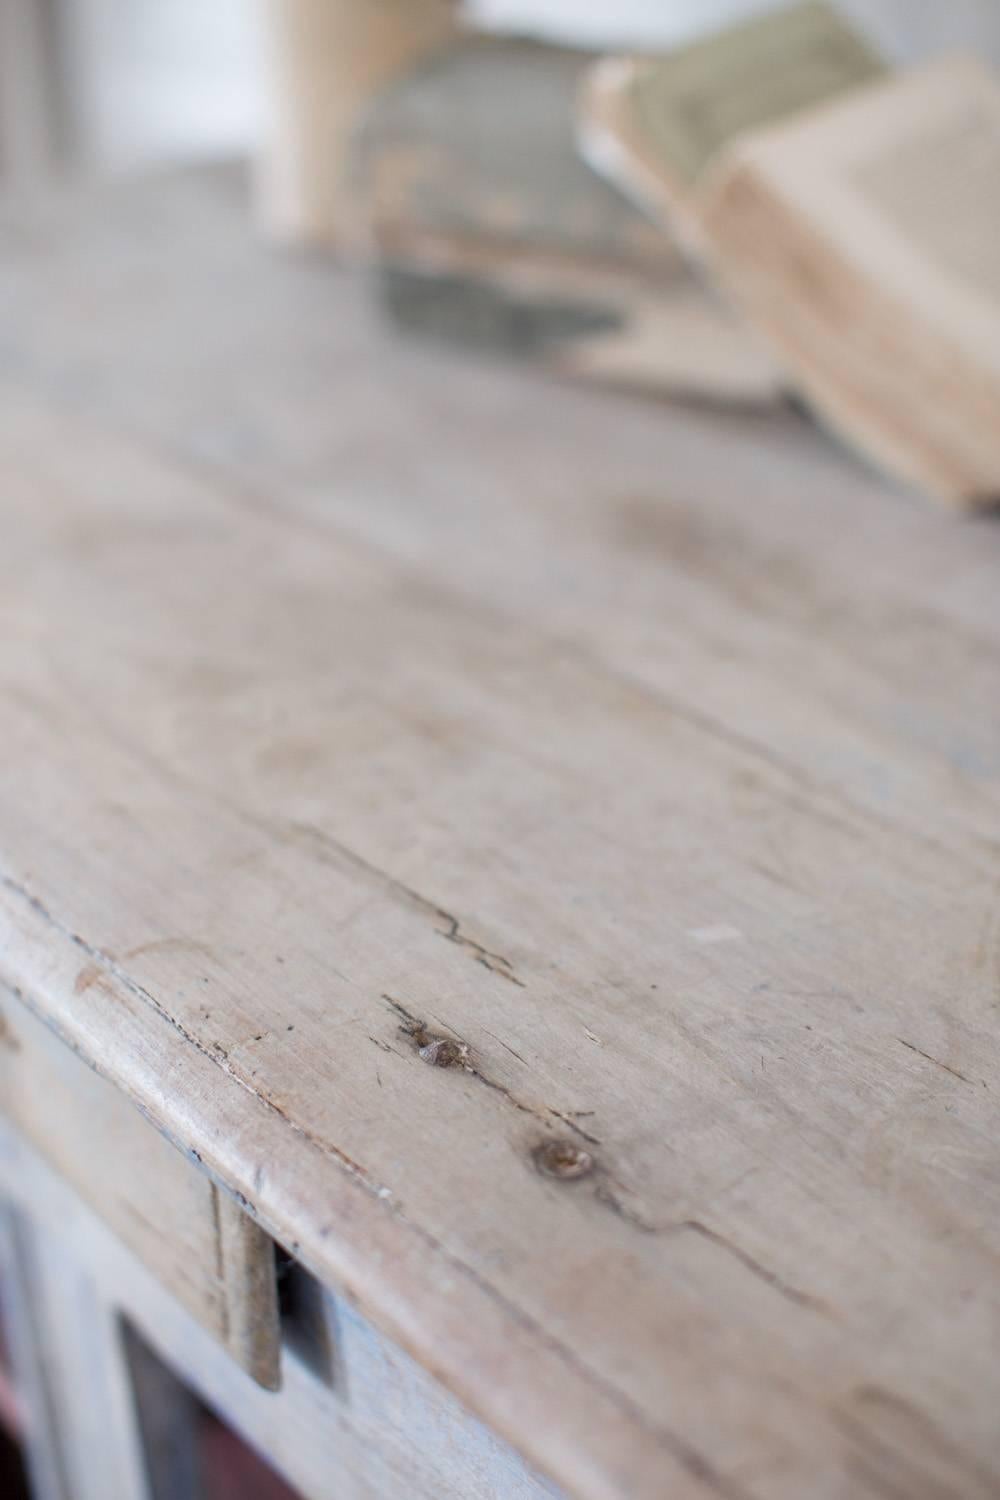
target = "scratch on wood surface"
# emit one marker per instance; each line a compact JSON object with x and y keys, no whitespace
{"x":88,"y":975}
{"x":505,"y":1045}
{"x":447,"y":925}
{"x":169,"y":945}
{"x":790,"y":1293}
{"x":720,"y":932}
{"x":672,"y":1442}
{"x":424,"y":1040}
{"x":608,"y":1192}
{"x":495,"y":962}
{"x":936,"y":1061}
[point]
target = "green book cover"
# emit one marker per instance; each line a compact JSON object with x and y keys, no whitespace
{"x":692,"y":102}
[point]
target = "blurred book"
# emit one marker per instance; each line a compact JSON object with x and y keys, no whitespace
{"x":654,"y":124}
{"x":852,"y":214}
{"x":488,"y":230}
{"x":864,"y":241}
{"x":447,"y":161}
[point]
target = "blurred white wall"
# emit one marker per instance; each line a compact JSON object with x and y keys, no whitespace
{"x":167,"y":78}
{"x":906,"y":28}
{"x":156,"y":79}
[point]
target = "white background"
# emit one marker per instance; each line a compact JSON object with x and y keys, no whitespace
{"x":162,"y":78}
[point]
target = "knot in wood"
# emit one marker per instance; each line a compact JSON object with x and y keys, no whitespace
{"x":563,"y":1160}
{"x":442,"y":1052}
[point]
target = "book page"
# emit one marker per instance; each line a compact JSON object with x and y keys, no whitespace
{"x":902,"y":181}
{"x":691,"y":103}
{"x":941,"y":188}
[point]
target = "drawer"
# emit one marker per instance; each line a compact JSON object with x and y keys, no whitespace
{"x":195,"y":1239}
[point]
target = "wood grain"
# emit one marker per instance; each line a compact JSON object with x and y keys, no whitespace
{"x":23,"y":1349}
{"x":356,"y":698}
{"x":201,"y":1245}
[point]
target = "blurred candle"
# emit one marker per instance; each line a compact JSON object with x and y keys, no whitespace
{"x":323,"y":61}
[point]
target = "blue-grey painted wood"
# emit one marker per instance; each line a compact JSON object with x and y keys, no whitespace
{"x":365,"y":1424}
{"x":19,"y":1312}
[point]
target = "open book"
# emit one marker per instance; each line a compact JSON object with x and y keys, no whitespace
{"x":864,"y":243}
{"x":860,"y":236}
{"x":655,"y":124}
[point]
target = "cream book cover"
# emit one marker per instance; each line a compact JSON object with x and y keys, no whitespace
{"x":655,"y":124}
{"x":863,"y":241}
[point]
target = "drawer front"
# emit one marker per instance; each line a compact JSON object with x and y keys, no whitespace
{"x":195,"y":1239}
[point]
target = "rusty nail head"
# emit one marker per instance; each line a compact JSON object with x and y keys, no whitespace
{"x":442,"y":1052}
{"x":563,"y":1160}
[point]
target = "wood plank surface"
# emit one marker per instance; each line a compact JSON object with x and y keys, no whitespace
{"x":358,"y":698}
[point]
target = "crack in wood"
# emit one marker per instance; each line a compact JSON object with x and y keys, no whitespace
{"x":451,"y":927}
{"x":937,"y":1062}
{"x":609,"y":1197}
{"x":680,"y":1450}
{"x":770,"y":1278}
{"x":419,"y":1034}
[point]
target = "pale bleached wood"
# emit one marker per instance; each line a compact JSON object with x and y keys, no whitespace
{"x":669,"y":791}
{"x":778,"y":584}
{"x":200,"y":1243}
{"x":247,"y":1273}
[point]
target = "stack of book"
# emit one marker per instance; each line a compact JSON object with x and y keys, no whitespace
{"x":774,"y":209}
{"x":446,"y":162}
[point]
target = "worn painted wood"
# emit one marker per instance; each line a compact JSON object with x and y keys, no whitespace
{"x":168,"y":1415}
{"x":20,"y":1309}
{"x":372,"y":1425}
{"x":201,"y":1244}
{"x":651,"y":758}
{"x":95,"y":1429}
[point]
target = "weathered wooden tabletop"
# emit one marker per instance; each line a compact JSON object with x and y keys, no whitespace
{"x":650,"y":754}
